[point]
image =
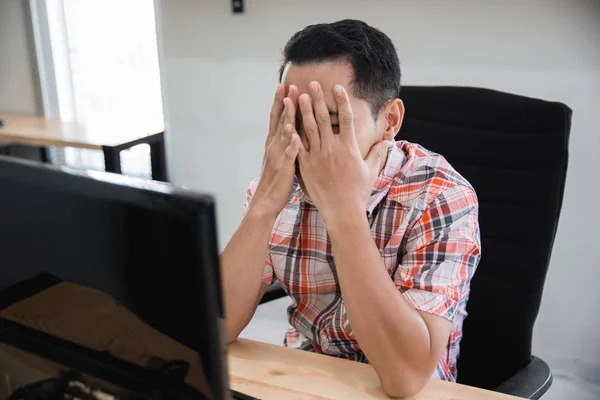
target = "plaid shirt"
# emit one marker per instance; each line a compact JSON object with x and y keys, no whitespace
{"x":424,"y":221}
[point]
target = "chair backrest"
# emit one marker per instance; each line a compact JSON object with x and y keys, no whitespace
{"x":514,"y":151}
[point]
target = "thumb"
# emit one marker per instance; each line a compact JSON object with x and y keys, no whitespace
{"x":377,"y":154}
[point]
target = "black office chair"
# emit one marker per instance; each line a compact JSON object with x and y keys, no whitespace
{"x":514,"y":151}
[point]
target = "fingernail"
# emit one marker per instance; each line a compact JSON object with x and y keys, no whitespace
{"x":314,"y":87}
{"x":338,"y":90}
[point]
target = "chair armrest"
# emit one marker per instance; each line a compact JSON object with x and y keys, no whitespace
{"x":531,"y":382}
{"x":274,"y":292}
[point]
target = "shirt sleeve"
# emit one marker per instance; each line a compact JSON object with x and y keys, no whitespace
{"x":268,"y":274}
{"x":442,"y":253}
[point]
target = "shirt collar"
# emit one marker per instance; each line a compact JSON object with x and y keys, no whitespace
{"x":394,"y":163}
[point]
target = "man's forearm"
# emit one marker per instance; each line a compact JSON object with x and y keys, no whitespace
{"x":242,"y":263}
{"x":389,"y":330}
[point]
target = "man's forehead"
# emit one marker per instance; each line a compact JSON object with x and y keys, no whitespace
{"x":327,"y":73}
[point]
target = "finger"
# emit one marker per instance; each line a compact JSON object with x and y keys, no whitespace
{"x":289,"y":131}
{"x":345,"y":115}
{"x":293,"y":94}
{"x":321,"y":113}
{"x":302,"y":159}
{"x":302,"y":153}
{"x":309,"y":123}
{"x":276,"y":110}
{"x":283,"y":119}
{"x":294,"y":137}
{"x":291,"y":152}
{"x":289,"y":113}
{"x":289,"y":116}
{"x":293,"y":147}
{"x":377,"y":154}
{"x":281,"y":123}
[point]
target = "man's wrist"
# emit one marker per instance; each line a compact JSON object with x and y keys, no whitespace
{"x":346,"y":219}
{"x":261,"y":212}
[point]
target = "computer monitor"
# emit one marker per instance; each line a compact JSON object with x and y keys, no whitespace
{"x":147,"y":244}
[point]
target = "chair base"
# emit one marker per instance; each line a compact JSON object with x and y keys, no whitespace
{"x":531,"y":382}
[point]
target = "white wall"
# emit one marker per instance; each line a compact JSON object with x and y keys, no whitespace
{"x":220,"y":70}
{"x":19,"y":86}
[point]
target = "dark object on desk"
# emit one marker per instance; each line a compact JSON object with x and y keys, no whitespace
{"x":1,"y":123}
{"x":89,"y":374}
{"x":149,"y":245}
{"x":514,"y":151}
{"x":83,"y":370}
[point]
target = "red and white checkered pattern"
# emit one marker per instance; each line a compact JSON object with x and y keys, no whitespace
{"x":424,"y":220}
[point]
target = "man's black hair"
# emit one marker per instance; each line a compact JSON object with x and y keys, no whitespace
{"x":369,"y":51}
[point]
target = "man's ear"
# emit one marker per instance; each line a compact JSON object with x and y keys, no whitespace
{"x":394,"y":115}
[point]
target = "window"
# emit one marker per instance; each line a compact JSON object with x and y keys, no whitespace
{"x":99,"y":66}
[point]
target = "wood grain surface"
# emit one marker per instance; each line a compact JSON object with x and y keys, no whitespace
{"x":44,"y":132}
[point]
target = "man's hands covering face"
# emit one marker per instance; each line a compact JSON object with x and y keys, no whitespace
{"x":281,"y":150}
{"x":336,"y":177}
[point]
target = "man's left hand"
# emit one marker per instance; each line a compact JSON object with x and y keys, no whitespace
{"x":339,"y":181}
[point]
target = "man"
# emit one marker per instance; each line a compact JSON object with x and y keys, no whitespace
{"x":375,"y":241}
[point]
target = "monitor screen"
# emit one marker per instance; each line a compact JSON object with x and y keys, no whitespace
{"x":148,"y":245}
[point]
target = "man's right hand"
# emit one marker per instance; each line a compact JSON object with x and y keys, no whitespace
{"x":243,"y":259}
{"x":281,"y":148}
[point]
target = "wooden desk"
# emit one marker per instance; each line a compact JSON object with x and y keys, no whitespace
{"x":42,"y":132}
{"x":95,"y":320}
